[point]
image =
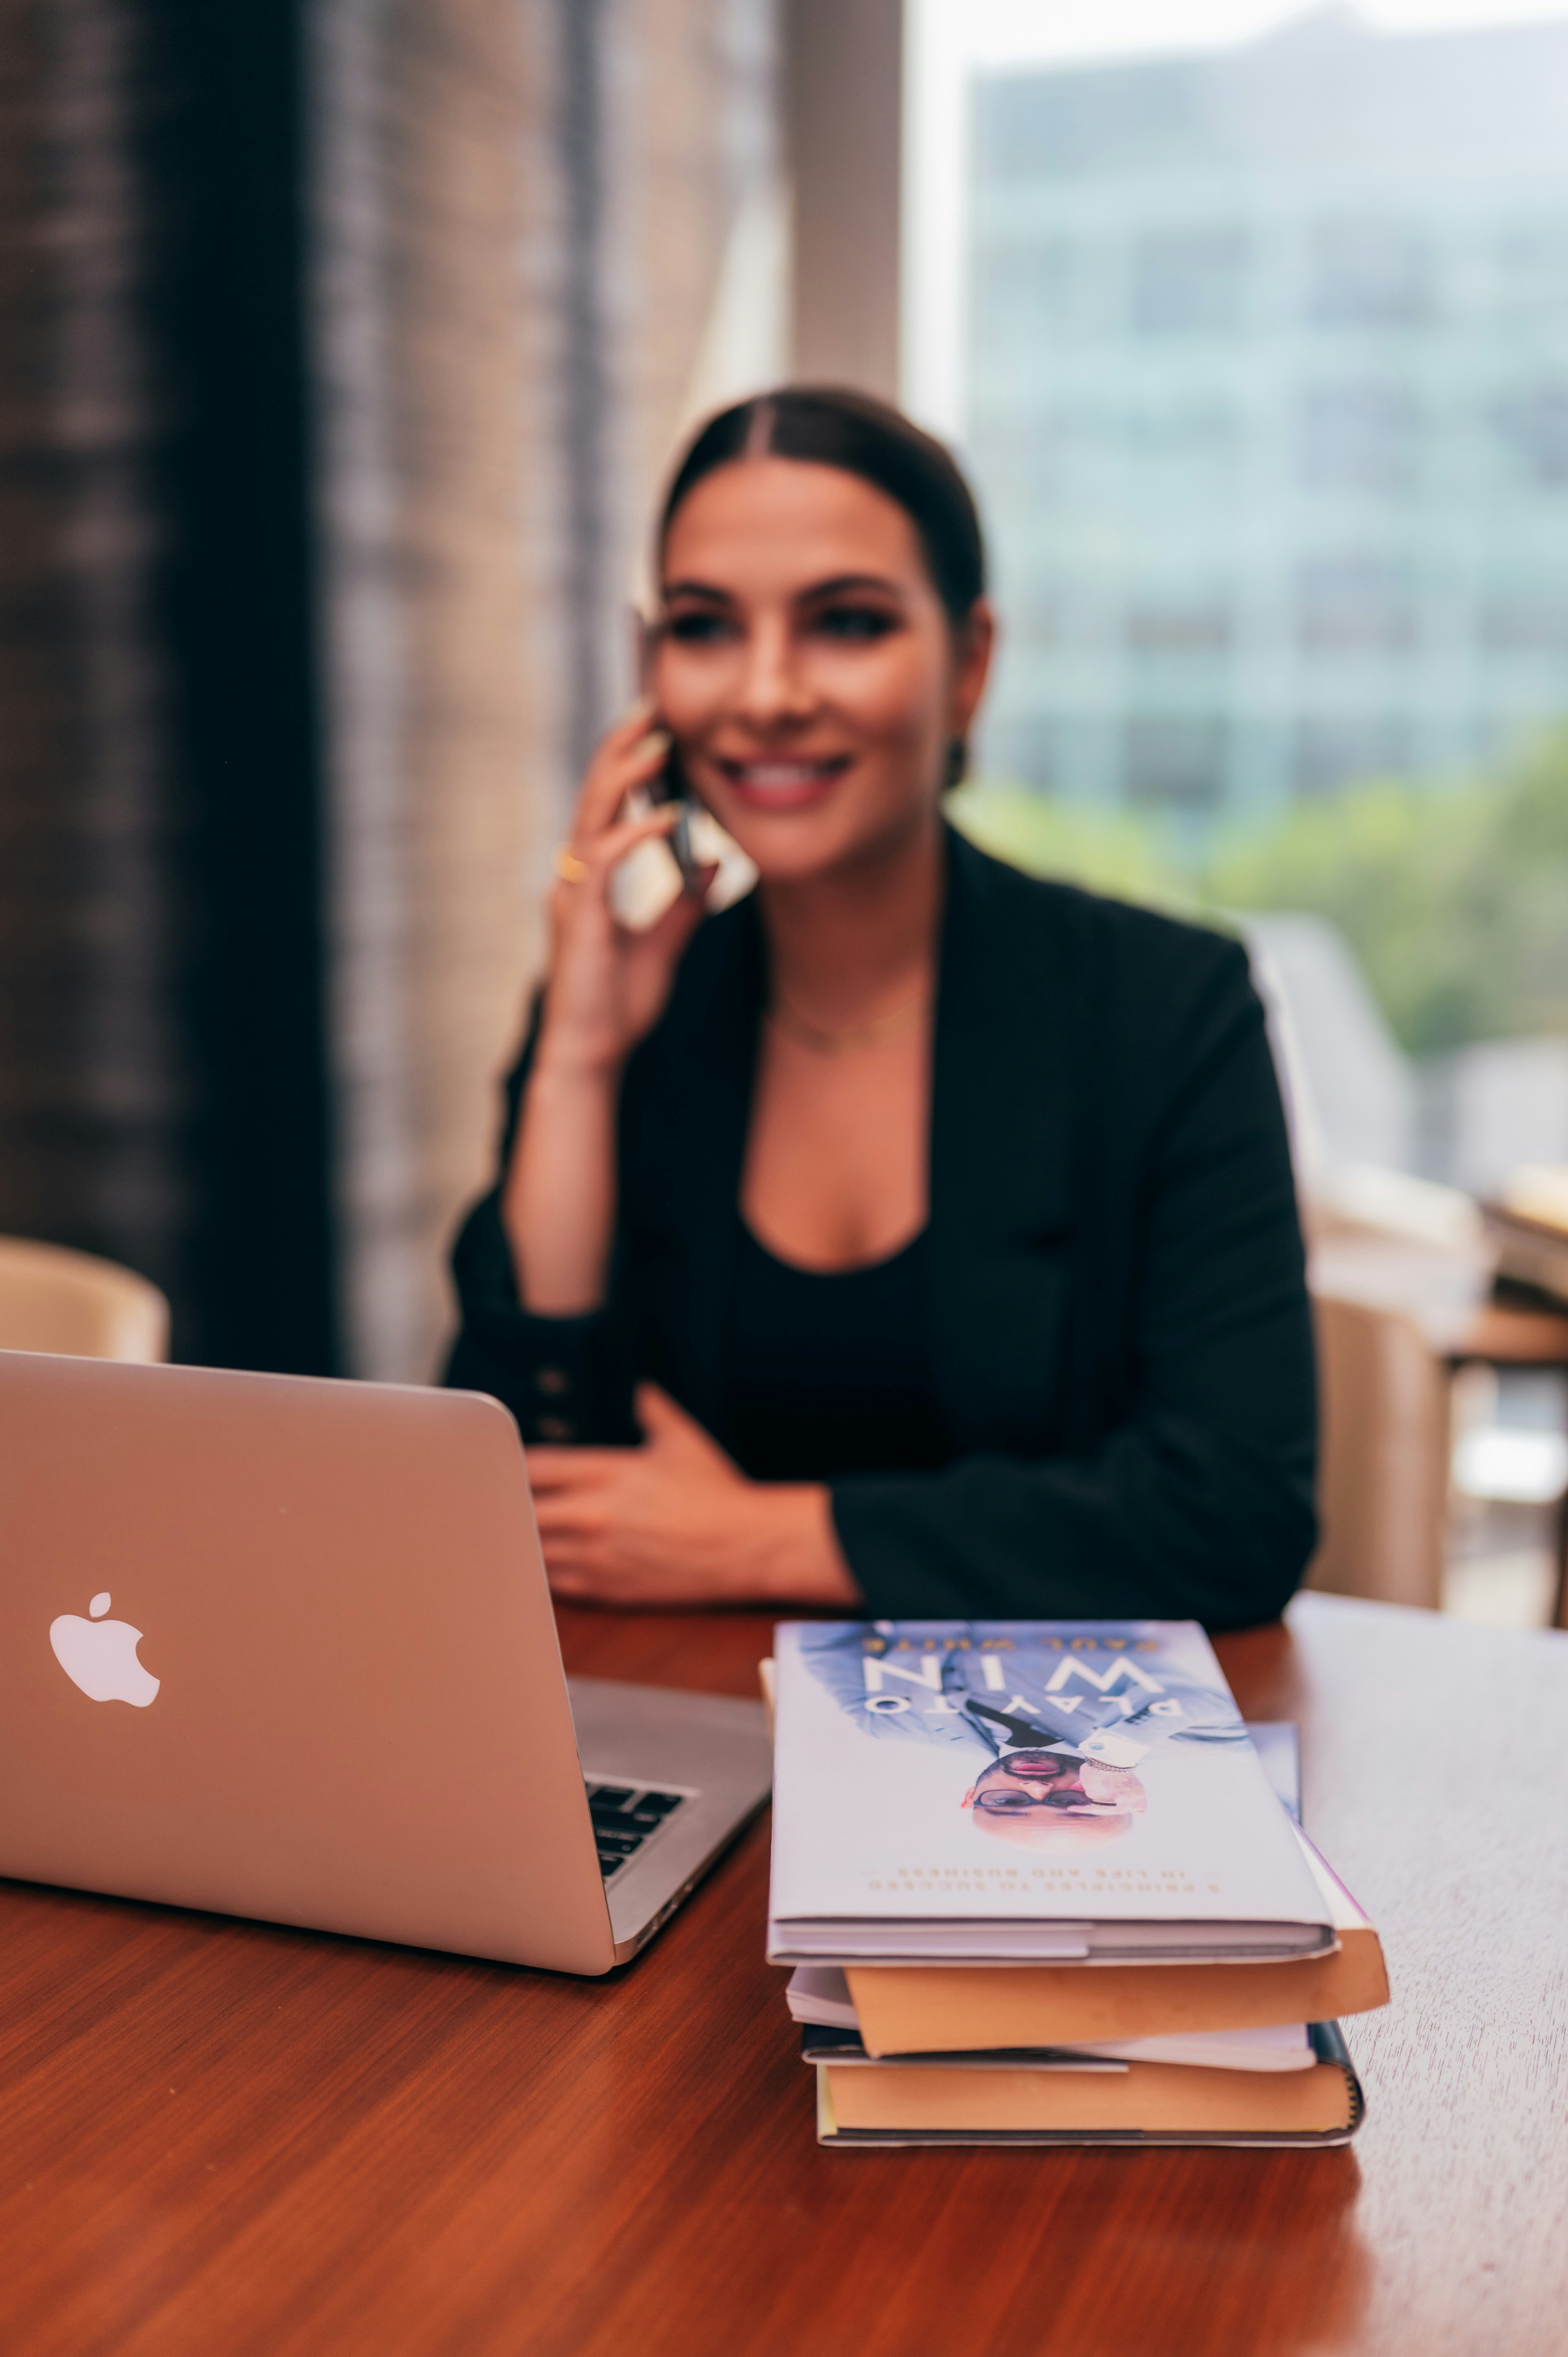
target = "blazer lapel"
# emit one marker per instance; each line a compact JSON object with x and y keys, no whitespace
{"x":1003,"y":1121}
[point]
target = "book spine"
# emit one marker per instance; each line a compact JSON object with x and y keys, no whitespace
{"x":1329,"y":2045}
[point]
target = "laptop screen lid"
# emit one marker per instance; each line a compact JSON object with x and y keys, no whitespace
{"x":281,"y":1647}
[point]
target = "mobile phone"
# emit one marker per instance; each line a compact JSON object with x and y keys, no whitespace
{"x":670,"y":786}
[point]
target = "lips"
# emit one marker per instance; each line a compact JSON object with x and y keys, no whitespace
{"x":781,"y":783}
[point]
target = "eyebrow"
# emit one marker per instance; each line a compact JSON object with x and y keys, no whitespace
{"x":834,"y":587}
{"x":842,"y":581}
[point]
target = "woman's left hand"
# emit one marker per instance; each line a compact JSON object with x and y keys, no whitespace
{"x":677,"y":1522}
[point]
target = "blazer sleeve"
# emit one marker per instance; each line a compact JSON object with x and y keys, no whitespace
{"x":1196,"y":1499}
{"x":564,"y":1378}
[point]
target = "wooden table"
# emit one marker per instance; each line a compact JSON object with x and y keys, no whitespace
{"x":226,"y":2140}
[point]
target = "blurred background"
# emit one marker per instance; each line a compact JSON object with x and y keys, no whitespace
{"x":343,"y":344}
{"x":1252,"y":323}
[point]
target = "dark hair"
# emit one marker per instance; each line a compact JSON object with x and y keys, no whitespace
{"x":829,"y":427}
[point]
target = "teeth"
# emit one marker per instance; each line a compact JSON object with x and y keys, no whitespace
{"x":779,"y":776}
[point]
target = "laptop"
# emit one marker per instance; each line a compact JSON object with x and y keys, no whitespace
{"x":280,"y":1647}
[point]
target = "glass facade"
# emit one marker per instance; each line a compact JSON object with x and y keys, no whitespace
{"x":1268,"y":407}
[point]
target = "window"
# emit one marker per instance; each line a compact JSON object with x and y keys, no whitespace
{"x":1369,"y":273}
{"x":1357,"y":437}
{"x":1176,"y":762}
{"x":1050,"y":618}
{"x":1026,"y":750}
{"x":1189,"y":282}
{"x":1536,"y":624}
{"x":1532,"y":426}
{"x":1353,"y":605}
{"x":1181,"y":443}
{"x":1337,"y":750}
{"x":1530,"y":264}
{"x":1173,"y":628}
{"x":1023,"y":290}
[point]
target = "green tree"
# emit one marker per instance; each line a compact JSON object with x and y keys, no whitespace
{"x":1454,"y":900}
{"x":1115,"y":852}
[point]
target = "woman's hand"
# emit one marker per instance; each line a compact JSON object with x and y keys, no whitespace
{"x":676,"y":1523}
{"x":607,"y":986}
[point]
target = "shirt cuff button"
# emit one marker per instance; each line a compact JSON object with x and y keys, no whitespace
{"x":553,"y":1381}
{"x":556,"y":1427}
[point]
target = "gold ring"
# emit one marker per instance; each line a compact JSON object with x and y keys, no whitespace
{"x":567,"y":866}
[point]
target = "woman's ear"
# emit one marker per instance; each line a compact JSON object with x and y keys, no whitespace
{"x":973,"y":642}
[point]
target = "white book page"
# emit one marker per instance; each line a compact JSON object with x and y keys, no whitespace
{"x":819,"y":1998}
{"x":1286,"y":2047}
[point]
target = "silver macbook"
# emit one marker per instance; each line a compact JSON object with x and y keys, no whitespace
{"x":284,"y":1648}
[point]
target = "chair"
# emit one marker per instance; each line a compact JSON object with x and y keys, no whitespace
{"x":69,"y":1302}
{"x":1383,"y":1466}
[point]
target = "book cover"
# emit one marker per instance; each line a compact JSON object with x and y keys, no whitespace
{"x":1042,"y":2100}
{"x":914,"y":2008}
{"x":1060,"y":1775}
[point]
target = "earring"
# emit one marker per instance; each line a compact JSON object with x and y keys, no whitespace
{"x":957,"y":763}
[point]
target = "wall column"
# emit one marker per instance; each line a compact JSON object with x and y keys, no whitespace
{"x":844,"y":114}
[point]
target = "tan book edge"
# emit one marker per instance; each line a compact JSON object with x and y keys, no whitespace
{"x":964,"y":2008}
{"x":969,"y":2008}
{"x":1156,"y":2097}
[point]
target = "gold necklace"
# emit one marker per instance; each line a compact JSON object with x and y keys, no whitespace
{"x":807,"y":1034}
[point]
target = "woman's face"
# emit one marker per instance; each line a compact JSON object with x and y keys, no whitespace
{"x":806,"y":666}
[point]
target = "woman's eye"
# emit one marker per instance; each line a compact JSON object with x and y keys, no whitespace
{"x":856,"y":622}
{"x":697,"y":629}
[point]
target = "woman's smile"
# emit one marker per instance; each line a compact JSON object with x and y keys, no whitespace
{"x":780,"y":782}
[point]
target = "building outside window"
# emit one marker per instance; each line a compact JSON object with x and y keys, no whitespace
{"x":1265,"y":387}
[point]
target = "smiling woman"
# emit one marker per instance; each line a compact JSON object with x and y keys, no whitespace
{"x":910,"y":1234}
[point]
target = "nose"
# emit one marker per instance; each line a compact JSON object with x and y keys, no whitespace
{"x":774,"y":691}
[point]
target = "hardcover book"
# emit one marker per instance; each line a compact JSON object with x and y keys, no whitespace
{"x":1007,"y":2099}
{"x":916,"y":2009}
{"x":1025,"y":1792}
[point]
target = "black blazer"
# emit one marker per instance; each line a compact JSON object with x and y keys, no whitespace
{"x":1118,"y":1310}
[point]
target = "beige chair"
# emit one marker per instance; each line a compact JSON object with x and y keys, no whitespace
{"x":1382,"y":1488}
{"x":51,"y":1299}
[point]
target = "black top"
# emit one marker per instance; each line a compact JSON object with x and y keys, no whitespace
{"x":1120,"y":1338}
{"x":829,"y":1374}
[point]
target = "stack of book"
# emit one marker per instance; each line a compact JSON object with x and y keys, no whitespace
{"x":1528,"y":1225}
{"x":1037,"y":1886}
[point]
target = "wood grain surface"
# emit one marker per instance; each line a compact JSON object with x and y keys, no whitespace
{"x":224,"y":2137}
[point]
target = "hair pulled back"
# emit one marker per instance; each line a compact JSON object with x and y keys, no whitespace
{"x":826,"y":426}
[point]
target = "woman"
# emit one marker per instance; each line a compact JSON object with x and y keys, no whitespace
{"x":932,"y":1226}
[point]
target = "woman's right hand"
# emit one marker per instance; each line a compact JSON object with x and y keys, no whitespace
{"x":607,"y":986}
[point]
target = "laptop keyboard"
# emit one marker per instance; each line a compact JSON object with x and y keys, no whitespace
{"x":623,"y":1819}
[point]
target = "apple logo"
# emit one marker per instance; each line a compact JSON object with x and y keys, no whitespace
{"x":100,"y":1656}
